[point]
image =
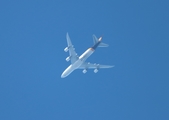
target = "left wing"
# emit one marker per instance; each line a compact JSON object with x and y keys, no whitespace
{"x":72,"y":54}
{"x":94,"y":66}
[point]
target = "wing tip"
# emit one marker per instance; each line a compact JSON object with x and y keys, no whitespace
{"x":113,"y":66}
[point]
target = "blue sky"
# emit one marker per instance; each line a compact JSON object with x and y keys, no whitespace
{"x":32,"y":39}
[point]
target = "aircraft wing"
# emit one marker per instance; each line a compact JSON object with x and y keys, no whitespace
{"x":93,"y":66}
{"x":73,"y":55}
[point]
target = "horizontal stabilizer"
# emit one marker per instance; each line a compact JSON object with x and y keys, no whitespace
{"x":95,"y":39}
{"x":103,"y":45}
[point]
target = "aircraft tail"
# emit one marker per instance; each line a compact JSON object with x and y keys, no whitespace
{"x":96,"y":40}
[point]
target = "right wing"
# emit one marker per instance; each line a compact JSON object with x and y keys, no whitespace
{"x":73,"y":55}
{"x":94,"y":66}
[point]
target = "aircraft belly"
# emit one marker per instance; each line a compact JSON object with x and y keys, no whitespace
{"x":86,"y":54}
{"x":77,"y":64}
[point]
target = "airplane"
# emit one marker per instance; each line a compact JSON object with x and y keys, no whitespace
{"x":80,"y":62}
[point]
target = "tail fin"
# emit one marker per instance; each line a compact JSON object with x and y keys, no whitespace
{"x":96,"y":40}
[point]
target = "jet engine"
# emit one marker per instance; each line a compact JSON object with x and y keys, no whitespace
{"x":96,"y":70}
{"x":68,"y":58}
{"x":66,"y":49}
{"x":84,"y":71}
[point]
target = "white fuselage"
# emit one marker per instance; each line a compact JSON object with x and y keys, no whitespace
{"x":78,"y":63}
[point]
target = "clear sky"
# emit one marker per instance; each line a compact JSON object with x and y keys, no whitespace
{"x":32,"y":39}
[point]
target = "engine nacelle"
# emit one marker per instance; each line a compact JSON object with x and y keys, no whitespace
{"x":68,"y":58}
{"x":96,"y":70}
{"x":66,"y":49}
{"x":84,"y":71}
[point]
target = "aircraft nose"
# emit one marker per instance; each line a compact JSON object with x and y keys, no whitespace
{"x":63,"y":75}
{"x":66,"y":72}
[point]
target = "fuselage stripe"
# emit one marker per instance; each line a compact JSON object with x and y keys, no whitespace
{"x":91,"y":49}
